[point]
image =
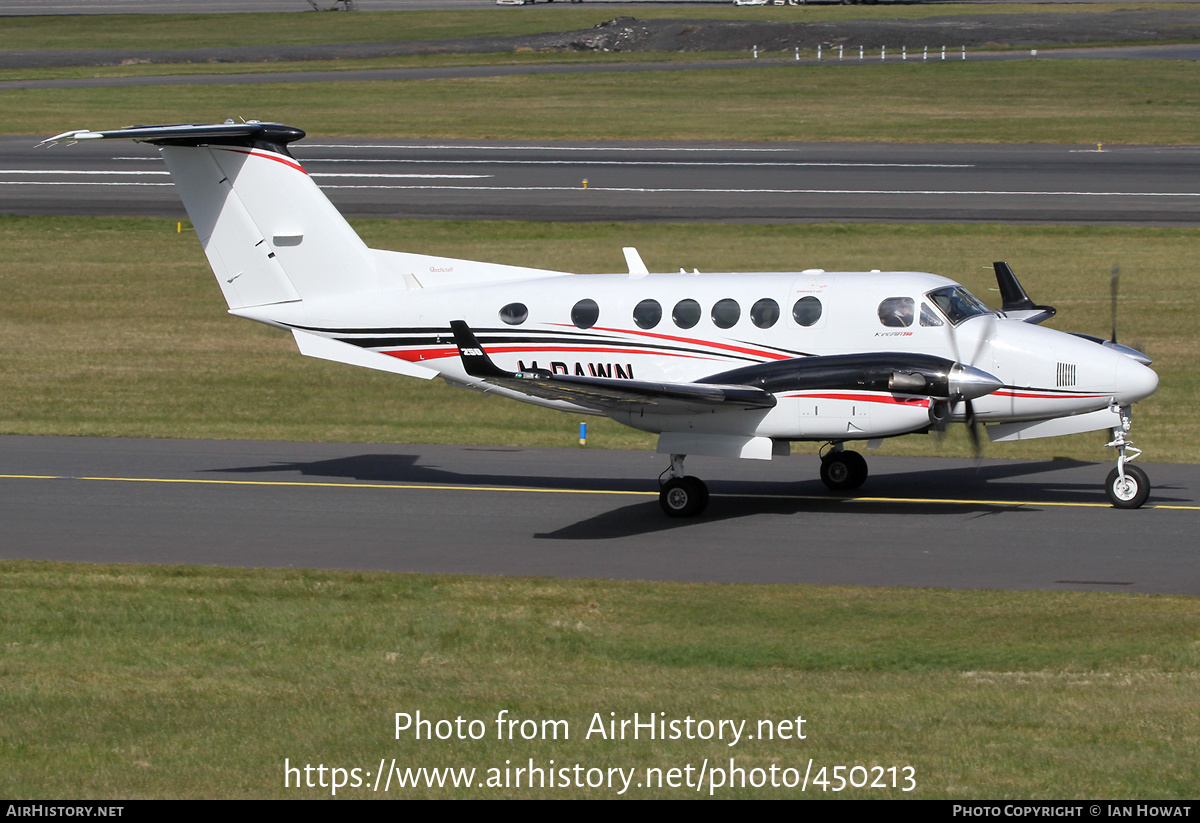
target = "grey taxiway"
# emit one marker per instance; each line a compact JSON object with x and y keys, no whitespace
{"x":591,"y":513}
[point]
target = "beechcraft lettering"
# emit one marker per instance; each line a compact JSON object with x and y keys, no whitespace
{"x":727,"y":364}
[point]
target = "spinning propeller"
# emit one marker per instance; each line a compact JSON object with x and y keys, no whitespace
{"x":969,"y":418}
{"x":966,"y":368}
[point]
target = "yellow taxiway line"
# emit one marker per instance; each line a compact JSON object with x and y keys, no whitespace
{"x":438,"y":487}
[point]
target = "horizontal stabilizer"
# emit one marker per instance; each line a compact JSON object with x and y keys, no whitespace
{"x":325,"y":348}
{"x":190,"y":134}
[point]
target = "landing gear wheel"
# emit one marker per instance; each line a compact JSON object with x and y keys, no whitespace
{"x":1131,"y":493}
{"x":843,"y":471}
{"x":683,"y":496}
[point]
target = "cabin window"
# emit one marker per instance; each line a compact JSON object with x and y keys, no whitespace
{"x":647,"y":314}
{"x":928,"y":316}
{"x":765,"y":313}
{"x":585,"y":313}
{"x":807,"y":310}
{"x":686,"y":313}
{"x":726,"y":313}
{"x":514,"y":314}
{"x":897,"y":312}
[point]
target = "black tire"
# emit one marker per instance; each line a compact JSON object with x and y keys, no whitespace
{"x":683,"y":497}
{"x":843,"y":471}
{"x":1132,"y":493}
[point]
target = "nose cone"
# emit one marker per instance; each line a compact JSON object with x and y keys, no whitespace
{"x":1134,"y":381}
{"x":969,"y":382}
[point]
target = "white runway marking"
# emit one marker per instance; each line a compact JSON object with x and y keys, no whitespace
{"x":73,"y":183}
{"x":875,"y":192}
{"x":701,"y":163}
{"x":408,"y":147}
{"x":77,"y":172}
{"x":411,"y":176}
{"x":81,"y":171}
{"x":69,"y":173}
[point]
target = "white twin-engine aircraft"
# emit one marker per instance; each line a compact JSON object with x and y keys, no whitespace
{"x":721,"y":364}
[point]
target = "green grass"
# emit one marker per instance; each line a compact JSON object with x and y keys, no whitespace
{"x":416,"y":61}
{"x":181,"y":31}
{"x":1047,"y":102}
{"x":114,"y":327}
{"x":135,"y":681}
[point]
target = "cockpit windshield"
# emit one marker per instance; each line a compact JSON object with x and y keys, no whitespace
{"x":957,"y":303}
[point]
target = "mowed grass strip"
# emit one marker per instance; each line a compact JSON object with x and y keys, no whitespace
{"x":1060,"y":101}
{"x":419,"y":61}
{"x":115,"y":326}
{"x":137,"y":681}
{"x":183,"y":31}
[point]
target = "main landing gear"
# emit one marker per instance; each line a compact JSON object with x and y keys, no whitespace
{"x":681,"y":495}
{"x":1127,"y":486}
{"x":842,"y":470}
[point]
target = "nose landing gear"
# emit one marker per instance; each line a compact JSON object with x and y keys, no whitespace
{"x":1127,"y":486}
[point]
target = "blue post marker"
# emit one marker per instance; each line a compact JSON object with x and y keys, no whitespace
{"x":583,"y":434}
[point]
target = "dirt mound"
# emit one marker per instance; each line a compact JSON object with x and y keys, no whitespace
{"x":628,"y":34}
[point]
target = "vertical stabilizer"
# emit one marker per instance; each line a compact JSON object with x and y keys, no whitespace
{"x":270,"y":234}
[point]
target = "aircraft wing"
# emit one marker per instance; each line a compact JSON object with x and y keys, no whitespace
{"x":605,"y":394}
{"x":748,"y":387}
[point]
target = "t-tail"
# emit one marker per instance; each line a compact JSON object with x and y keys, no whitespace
{"x":281,"y":252}
{"x":271,"y":235}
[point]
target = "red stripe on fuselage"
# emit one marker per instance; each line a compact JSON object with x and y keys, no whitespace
{"x":415,"y":355}
{"x":1032,"y":396}
{"x":890,"y":399}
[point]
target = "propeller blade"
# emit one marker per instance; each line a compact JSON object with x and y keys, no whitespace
{"x":1116,"y":282}
{"x":973,"y":431}
{"x":985,"y":338}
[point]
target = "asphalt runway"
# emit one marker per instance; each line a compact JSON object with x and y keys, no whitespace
{"x":1133,"y":185}
{"x":591,"y":513}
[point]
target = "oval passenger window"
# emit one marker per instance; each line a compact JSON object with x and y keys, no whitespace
{"x":686,"y":313}
{"x":726,"y":313}
{"x":514,"y":314}
{"x":807,"y":310}
{"x":647,"y":314}
{"x":765,"y":313}
{"x":585,"y":313}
